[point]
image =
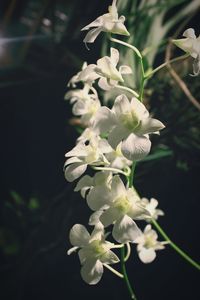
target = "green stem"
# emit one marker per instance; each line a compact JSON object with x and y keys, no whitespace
{"x":114,"y":271}
{"x":130,"y":177}
{"x":137,"y":52}
{"x":142,"y":80}
{"x":127,"y":89}
{"x":126,"y":279}
{"x":166,"y":64}
{"x":175,"y":247}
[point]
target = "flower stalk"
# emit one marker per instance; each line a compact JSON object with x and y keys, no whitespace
{"x":124,"y":272}
{"x":174,"y":246}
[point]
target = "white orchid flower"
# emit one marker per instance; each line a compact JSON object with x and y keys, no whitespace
{"x":191,"y":45}
{"x":75,"y":79}
{"x":94,"y":252}
{"x":87,"y":110}
{"x":117,"y":160}
{"x":84,"y":94}
{"x":148,"y":244}
{"x":88,"y":183}
{"x":129,"y":123}
{"x":89,"y":152}
{"x":119,"y":206}
{"x":86,"y":103}
{"x":106,"y":70}
{"x":151,"y":205}
{"x":109,"y":22}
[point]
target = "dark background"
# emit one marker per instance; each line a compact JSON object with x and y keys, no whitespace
{"x":37,"y":205}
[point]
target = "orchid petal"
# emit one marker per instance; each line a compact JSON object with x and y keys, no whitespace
{"x":125,"y":230}
{"x":74,"y":171}
{"x":92,"y":35}
{"x":109,"y":258}
{"x":147,"y":255}
{"x":150,"y":125}
{"x":79,"y":235}
{"x":136,"y":147}
{"x":92,"y":271}
{"x":125,"y":70}
{"x":116,"y":135}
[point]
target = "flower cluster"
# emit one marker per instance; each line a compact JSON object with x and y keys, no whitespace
{"x":114,"y":139}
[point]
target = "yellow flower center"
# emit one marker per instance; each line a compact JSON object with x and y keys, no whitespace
{"x":123,"y":205}
{"x":97,"y":248}
{"x":130,"y":120}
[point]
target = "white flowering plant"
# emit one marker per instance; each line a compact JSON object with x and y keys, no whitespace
{"x":114,"y":140}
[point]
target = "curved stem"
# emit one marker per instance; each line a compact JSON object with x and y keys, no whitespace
{"x":174,"y":246}
{"x":127,"y":89}
{"x":166,"y":64}
{"x":113,"y":170}
{"x":128,"y":252}
{"x":114,"y":271}
{"x":126,"y":279}
{"x":137,"y":52}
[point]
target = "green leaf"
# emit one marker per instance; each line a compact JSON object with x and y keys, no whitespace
{"x":17,"y":198}
{"x":33,"y":203}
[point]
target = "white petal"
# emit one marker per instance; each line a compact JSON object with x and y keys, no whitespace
{"x":103,"y":84}
{"x":109,"y":216}
{"x":95,"y":23}
{"x":74,"y":171}
{"x":147,"y":255}
{"x":84,"y":185}
{"x":114,"y":55}
{"x":139,"y":109}
{"x":117,"y":187}
{"x":104,"y":146}
{"x":85,"y":181}
{"x":117,"y":134}
{"x":121,"y":105}
{"x":79,"y":108}
{"x":88,"y":74}
{"x":98,"y":232}
{"x":79,"y":235}
{"x":83,"y":254}
{"x":94,"y":218}
{"x":125,"y":230}
{"x":125,"y":70}
{"x":150,"y":125}
{"x":119,"y":28}
{"x":136,"y":147}
{"x":104,"y":120}
{"x":92,"y":271}
{"x":108,"y":70}
{"x":187,"y":45}
{"x":147,"y":228}
{"x":109,"y":258}
{"x":92,"y":35}
{"x":98,"y":197}
{"x":79,"y":150}
{"x":138,"y":212}
{"x":72,"y":160}
{"x":189,"y":33}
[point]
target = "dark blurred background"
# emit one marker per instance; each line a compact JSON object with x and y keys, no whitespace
{"x":40,"y":49}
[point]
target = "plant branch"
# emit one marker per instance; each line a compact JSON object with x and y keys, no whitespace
{"x":174,"y":246}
